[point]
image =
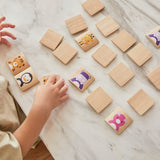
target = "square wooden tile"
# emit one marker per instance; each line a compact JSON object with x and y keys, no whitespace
{"x":119,"y":120}
{"x":121,"y":74}
{"x":18,"y":63}
{"x":107,"y":26}
{"x":124,"y":40}
{"x":154,"y":77}
{"x":65,"y":52}
{"x":26,"y":79}
{"x":99,"y":100}
{"x":141,"y":102}
{"x":93,"y":6}
{"x":139,"y":54}
{"x":104,"y":55}
{"x":51,"y":39}
{"x":82,"y":79}
{"x":154,"y":36}
{"x":76,"y":24}
{"x":87,"y":40}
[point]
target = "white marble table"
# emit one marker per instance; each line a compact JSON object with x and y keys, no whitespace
{"x":74,"y":131}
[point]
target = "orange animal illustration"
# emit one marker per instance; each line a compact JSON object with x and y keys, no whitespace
{"x":18,"y":62}
{"x":86,"y":39}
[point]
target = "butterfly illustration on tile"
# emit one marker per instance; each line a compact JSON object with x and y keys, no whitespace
{"x":155,"y":37}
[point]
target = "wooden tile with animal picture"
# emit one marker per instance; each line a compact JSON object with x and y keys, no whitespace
{"x":18,"y":63}
{"x":86,"y":40}
{"x":26,"y":79}
{"x":82,"y":79}
{"x":118,"y":120}
{"x":44,"y":79}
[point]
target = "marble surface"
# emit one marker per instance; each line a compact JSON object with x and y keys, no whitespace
{"x":74,"y":131}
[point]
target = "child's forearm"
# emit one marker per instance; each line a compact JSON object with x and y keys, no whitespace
{"x":29,"y":131}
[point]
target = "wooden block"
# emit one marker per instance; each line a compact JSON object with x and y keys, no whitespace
{"x":93,"y":6}
{"x":26,"y":79}
{"x":99,"y":100}
{"x":119,"y":120}
{"x":139,"y":54}
{"x":121,"y":74}
{"x":141,"y":102}
{"x":76,"y":24}
{"x":65,"y":52}
{"x":87,"y":40}
{"x":107,"y":26}
{"x":154,"y":36}
{"x":124,"y":40}
{"x":154,"y":77}
{"x":51,"y":39}
{"x":104,"y":55}
{"x":18,"y":63}
{"x":82,"y":79}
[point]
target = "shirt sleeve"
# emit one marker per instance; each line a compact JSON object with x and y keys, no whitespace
{"x":9,"y":147}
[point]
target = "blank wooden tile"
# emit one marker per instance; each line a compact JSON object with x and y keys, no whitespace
{"x":124,"y":40}
{"x":141,"y":102}
{"x":99,"y":100}
{"x":51,"y":39}
{"x":26,"y":79}
{"x":154,"y":77}
{"x":139,"y":54}
{"x":93,"y":6}
{"x":107,"y":26}
{"x":76,"y":24}
{"x":87,"y":40}
{"x":154,"y":36}
{"x":104,"y":55}
{"x":18,"y":63}
{"x":65,"y":52}
{"x":121,"y":74}
{"x":82,"y":79}
{"x":119,"y":120}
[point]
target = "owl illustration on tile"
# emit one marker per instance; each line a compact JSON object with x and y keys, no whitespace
{"x":155,"y":37}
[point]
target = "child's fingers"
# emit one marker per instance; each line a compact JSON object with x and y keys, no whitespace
{"x":64,"y":89}
{"x":2,"y":19}
{"x":3,"y":40}
{"x":5,"y":33}
{"x":52,"y":79}
{"x":6,"y":25}
{"x":64,"y":98}
{"x":60,"y":83}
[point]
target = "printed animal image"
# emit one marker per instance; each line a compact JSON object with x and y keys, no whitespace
{"x":18,"y":62}
{"x":155,"y":37}
{"x":118,"y":120}
{"x":25,"y":79}
{"x":86,"y":39}
{"x":81,"y":79}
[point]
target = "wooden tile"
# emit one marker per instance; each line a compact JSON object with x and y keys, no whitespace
{"x":121,"y":74}
{"x":99,"y":100}
{"x":18,"y":63}
{"x":141,"y":102}
{"x":51,"y":39}
{"x":154,"y":36}
{"x":87,"y":40}
{"x":82,"y":79}
{"x":107,"y":26}
{"x":76,"y":24}
{"x":104,"y":55}
{"x":124,"y":40}
{"x":65,"y":52}
{"x":139,"y":54}
{"x":93,"y":6}
{"x":154,"y":77}
{"x":119,"y":120}
{"x":26,"y":79}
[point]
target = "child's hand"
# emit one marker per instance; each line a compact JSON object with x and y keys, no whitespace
{"x":49,"y":96}
{"x":5,"y":33}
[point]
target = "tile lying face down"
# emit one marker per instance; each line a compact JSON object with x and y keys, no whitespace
{"x":18,"y":63}
{"x":51,"y":39}
{"x":87,"y":40}
{"x":99,"y":100}
{"x":76,"y":24}
{"x":118,"y":120}
{"x":82,"y":79}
